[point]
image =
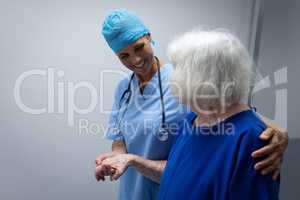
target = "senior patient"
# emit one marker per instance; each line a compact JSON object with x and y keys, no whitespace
{"x":211,"y":156}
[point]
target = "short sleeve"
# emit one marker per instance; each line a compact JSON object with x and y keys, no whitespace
{"x":112,"y":131}
{"x":248,"y":183}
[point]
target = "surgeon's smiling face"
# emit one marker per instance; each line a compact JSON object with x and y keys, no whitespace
{"x":138,"y":56}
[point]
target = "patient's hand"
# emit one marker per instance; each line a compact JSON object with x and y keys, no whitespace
{"x":119,"y":163}
{"x":103,"y":170}
{"x":278,"y":141}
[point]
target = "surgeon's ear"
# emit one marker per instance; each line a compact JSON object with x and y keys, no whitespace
{"x":148,"y":37}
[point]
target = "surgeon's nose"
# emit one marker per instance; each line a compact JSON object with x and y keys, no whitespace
{"x":135,"y":60}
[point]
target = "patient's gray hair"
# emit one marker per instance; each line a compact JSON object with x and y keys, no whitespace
{"x":211,"y":68}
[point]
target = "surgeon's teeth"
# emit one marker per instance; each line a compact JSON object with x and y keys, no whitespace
{"x":140,"y":65}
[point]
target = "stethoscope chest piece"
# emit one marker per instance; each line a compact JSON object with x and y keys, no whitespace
{"x":162,"y":133}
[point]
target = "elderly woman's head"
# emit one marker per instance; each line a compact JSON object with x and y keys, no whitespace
{"x":211,"y":69}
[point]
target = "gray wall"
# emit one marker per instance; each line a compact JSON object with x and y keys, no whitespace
{"x":42,"y":156}
{"x":280,"y":47}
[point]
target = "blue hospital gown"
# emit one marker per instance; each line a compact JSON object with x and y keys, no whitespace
{"x":138,"y":126}
{"x":215,"y":163}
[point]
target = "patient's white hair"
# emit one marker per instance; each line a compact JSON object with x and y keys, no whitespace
{"x":211,"y":68}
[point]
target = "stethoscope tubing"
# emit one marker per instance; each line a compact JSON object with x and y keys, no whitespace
{"x":127,"y":93}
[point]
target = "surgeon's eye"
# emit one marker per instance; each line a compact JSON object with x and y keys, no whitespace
{"x":124,"y":56}
{"x":139,"y":47}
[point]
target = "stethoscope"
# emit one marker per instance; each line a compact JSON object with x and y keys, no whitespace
{"x":162,"y":132}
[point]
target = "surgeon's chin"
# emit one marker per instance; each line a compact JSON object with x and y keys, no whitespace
{"x":144,"y":70}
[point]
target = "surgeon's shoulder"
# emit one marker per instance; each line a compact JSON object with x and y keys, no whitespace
{"x":123,"y":82}
{"x":122,"y":85}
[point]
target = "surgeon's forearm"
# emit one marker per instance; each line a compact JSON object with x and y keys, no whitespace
{"x":118,"y":146}
{"x":152,"y":169}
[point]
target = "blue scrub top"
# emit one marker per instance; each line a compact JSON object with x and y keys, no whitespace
{"x":215,"y":163}
{"x":140,"y":120}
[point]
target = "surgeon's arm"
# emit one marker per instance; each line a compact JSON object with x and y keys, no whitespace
{"x":274,"y":151}
{"x":118,"y":146}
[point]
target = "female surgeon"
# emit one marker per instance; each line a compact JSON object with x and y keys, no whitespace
{"x":145,"y":114}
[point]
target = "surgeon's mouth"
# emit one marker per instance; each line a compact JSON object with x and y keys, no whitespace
{"x":140,"y":65}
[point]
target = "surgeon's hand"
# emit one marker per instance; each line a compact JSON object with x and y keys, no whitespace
{"x":119,"y":163}
{"x":278,"y":141}
{"x":103,"y":156}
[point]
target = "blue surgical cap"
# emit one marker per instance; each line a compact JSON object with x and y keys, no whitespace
{"x":121,"y":28}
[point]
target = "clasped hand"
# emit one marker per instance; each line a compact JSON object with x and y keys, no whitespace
{"x":112,"y":164}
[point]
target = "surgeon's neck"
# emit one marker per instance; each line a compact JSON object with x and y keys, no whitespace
{"x":145,"y":78}
{"x":211,"y":117}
